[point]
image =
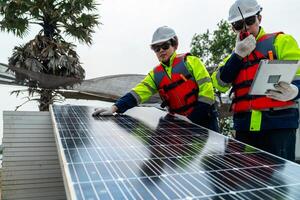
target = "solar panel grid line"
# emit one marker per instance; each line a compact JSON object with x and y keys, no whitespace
{"x":170,"y":161}
{"x":239,"y":179}
{"x":225,"y":164}
{"x":177,"y":171}
{"x":195,"y":189}
{"x":106,"y":186}
{"x":188,"y":150}
{"x":262,"y":196}
{"x":215,"y":183}
{"x":286,"y":176}
{"x":256,"y":180}
{"x":146,"y":188}
{"x":261,"y":173}
{"x":273,"y":195}
{"x":236,"y":163}
{"x":246,"y":162}
{"x":197,"y":182}
{"x":94,"y":190}
{"x":270,"y":186}
{"x":277,"y":193}
{"x":187,"y":180}
{"x":253,"y":195}
{"x":295,"y":196}
{"x":154,"y":183}
{"x":70,"y":192}
{"x":76,"y":172}
{"x":138,"y":193}
{"x":184,"y":191}
{"x":256,"y":189}
{"x":237,"y":195}
{"x":184,"y":146}
{"x":73,"y":171}
{"x":157,"y":157}
{"x":212,"y":166}
{"x":224,"y":185}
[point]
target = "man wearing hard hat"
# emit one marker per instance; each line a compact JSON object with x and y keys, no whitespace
{"x":267,"y":122}
{"x":181,"y":80}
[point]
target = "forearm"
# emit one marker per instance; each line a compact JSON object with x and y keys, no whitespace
{"x":126,"y":102}
{"x":230,"y":70}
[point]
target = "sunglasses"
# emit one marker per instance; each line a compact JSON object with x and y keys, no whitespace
{"x":164,"y":46}
{"x":239,"y":25}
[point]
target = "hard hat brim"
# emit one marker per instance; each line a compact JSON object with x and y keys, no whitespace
{"x":244,"y":15}
{"x":160,"y":41}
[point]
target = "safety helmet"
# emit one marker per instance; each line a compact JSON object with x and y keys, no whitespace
{"x":162,"y":34}
{"x":247,"y":7}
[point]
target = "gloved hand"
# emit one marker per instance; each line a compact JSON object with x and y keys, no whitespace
{"x":244,"y":47}
{"x":284,"y":92}
{"x":107,"y":111}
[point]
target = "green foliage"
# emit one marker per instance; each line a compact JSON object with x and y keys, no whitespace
{"x":48,"y":62}
{"x":226,"y":125}
{"x":213,"y":47}
{"x":48,"y":56}
{"x":72,"y":17}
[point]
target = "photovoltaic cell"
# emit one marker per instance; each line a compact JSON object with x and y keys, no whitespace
{"x":125,"y":157}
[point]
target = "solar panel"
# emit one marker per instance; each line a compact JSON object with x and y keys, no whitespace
{"x":148,"y":154}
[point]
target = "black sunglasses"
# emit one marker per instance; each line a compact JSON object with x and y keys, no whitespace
{"x":239,"y":25}
{"x":164,"y":46}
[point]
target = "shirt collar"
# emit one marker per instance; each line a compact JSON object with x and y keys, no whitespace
{"x":260,"y":33}
{"x":171,"y":60}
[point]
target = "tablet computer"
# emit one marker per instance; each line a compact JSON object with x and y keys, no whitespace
{"x":271,"y":72}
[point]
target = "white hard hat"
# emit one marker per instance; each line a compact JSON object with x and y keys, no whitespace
{"x":162,"y":34}
{"x":247,"y":7}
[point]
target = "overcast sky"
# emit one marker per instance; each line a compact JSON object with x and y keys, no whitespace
{"x":121,"y":44}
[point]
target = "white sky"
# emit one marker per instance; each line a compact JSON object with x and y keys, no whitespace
{"x":121,"y":44}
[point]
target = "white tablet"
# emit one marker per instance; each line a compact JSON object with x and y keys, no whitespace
{"x":271,"y":72}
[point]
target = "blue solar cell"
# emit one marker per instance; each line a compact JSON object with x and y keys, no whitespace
{"x":159,"y":156}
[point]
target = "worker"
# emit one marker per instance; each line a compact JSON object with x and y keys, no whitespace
{"x":268,"y":122}
{"x":181,"y":80}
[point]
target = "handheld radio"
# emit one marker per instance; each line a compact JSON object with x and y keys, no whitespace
{"x":243,"y":33}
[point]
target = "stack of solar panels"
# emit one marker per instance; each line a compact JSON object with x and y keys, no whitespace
{"x":124,"y":157}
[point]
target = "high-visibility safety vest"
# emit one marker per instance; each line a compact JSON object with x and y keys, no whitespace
{"x":180,"y":91}
{"x":242,"y":100}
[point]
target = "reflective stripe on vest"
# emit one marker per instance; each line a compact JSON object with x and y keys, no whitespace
{"x":241,"y":85}
{"x":180,"y":91}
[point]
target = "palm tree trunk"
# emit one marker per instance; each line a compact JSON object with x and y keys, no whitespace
{"x":46,"y":99}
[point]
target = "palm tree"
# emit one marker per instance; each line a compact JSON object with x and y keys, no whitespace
{"x":48,"y":62}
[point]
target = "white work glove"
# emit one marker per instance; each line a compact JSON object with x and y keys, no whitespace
{"x":284,"y":92}
{"x":244,"y":47}
{"x":107,"y":111}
